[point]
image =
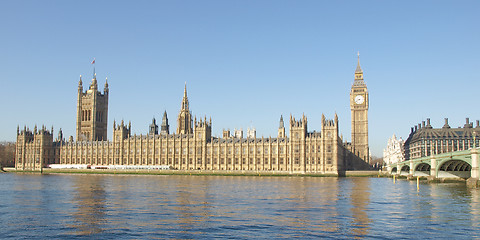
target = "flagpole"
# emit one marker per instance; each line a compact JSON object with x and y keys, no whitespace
{"x":93,"y":62}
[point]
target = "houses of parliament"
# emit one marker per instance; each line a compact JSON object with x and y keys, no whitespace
{"x":191,"y":146}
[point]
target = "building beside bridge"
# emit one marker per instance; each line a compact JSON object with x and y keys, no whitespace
{"x":441,"y":152}
{"x":192,"y":146}
{"x":424,"y":140}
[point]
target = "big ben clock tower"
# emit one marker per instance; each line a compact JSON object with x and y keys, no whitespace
{"x":359,"y":108}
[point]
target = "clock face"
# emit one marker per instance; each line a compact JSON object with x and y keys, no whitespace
{"x":359,"y":99}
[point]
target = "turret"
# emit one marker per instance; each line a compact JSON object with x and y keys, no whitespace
{"x":165,"y":127}
{"x":281,"y":128}
{"x":60,"y":135}
{"x":153,"y":128}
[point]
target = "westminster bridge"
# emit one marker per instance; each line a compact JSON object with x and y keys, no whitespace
{"x":458,"y":164}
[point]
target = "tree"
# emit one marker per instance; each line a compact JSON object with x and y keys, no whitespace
{"x":7,"y":154}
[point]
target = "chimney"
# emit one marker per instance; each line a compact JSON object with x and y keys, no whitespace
{"x":478,"y":123}
{"x":423,"y":124}
{"x":428,"y":124}
{"x":467,"y":123}
{"x":446,"y":124}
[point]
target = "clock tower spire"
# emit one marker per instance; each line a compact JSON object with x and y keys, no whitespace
{"x":359,"y":109}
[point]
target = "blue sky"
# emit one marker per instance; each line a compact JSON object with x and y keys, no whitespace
{"x":245,"y":62}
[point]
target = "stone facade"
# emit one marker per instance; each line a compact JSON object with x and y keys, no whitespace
{"x":192,"y":146}
{"x":395,"y":151}
{"x":36,"y":149}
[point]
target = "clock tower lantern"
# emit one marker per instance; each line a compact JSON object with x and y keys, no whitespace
{"x":359,"y":108}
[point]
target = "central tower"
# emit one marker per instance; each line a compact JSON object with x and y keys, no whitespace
{"x":92,"y":112}
{"x":184,"y":122}
{"x":359,"y":109}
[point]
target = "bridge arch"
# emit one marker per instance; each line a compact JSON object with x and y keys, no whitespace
{"x":394,"y":170}
{"x":405,"y":170}
{"x":455,"y":168}
{"x":422,"y":169}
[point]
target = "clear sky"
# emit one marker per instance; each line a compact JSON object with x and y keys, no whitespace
{"x":245,"y":62}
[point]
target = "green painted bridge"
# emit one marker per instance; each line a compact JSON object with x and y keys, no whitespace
{"x":459,"y":164}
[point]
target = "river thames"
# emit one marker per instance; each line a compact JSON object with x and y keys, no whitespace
{"x":195,"y":207}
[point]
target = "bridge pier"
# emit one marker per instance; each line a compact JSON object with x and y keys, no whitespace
{"x":399,"y":169}
{"x":474,"y":173}
{"x":412,"y":171}
{"x":433,"y":168}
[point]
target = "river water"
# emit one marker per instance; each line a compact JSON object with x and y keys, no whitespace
{"x":198,"y":207}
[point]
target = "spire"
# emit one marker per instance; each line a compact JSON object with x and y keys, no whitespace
{"x":185,"y":99}
{"x":281,"y":125}
{"x":185,"y":91}
{"x":106,"y":86}
{"x":80,"y":86}
{"x":359,"y":69}
{"x":358,"y":75}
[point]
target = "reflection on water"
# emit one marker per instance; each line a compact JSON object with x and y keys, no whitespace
{"x":360,"y":199}
{"x":89,"y":198}
{"x":111,"y":206}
